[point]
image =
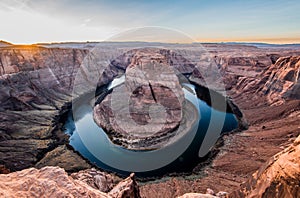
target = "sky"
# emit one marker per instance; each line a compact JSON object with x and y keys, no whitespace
{"x":35,"y":21}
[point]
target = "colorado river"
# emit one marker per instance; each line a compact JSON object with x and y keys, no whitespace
{"x":91,"y":141}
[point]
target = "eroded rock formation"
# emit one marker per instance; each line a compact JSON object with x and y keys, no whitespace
{"x":284,"y":79}
{"x":147,"y":106}
{"x":55,"y":182}
{"x":279,"y":177}
{"x":97,"y":179}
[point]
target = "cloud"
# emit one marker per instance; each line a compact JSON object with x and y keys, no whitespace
{"x":59,"y":20}
{"x":21,"y":25}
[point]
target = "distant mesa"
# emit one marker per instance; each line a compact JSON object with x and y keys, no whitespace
{"x":5,"y":43}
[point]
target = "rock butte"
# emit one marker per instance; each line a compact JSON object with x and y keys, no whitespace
{"x":147,"y":107}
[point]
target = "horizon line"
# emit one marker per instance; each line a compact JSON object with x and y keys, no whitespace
{"x":166,"y":42}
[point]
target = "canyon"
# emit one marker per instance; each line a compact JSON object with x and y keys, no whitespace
{"x":37,"y":89}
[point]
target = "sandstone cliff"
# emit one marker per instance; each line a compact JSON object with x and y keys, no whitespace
{"x":34,"y":84}
{"x":283,"y":79}
{"x":279,"y":177}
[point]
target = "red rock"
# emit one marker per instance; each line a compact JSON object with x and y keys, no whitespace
{"x":55,"y":182}
{"x":279,"y":177}
{"x":284,"y":80}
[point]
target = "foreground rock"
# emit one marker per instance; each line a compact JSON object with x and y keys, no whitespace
{"x":209,"y":194}
{"x":279,"y":177}
{"x":197,"y":195}
{"x":97,"y":179}
{"x":55,"y":182}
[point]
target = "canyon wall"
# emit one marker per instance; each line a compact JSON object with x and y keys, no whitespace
{"x":35,"y":84}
